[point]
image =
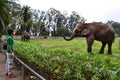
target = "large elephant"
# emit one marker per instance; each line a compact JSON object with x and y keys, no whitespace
{"x":25,"y":36}
{"x":95,"y":31}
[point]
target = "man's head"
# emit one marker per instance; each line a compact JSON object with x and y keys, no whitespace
{"x":11,"y":31}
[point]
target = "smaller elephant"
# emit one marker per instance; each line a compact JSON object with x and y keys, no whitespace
{"x":25,"y":36}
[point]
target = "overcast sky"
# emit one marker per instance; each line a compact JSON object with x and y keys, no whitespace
{"x":92,"y":10}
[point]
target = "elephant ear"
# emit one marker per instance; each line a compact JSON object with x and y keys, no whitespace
{"x":85,"y":32}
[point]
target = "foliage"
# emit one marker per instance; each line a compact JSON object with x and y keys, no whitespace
{"x":116,"y":26}
{"x":3,"y":32}
{"x":25,"y":18}
{"x":69,"y":60}
{"x":4,"y":14}
{"x":61,"y":30}
{"x":0,"y":36}
{"x":30,"y":20}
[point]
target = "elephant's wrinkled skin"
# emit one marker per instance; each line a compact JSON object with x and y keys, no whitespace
{"x":95,"y":31}
{"x":25,"y":36}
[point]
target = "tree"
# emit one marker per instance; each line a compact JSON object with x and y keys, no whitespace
{"x":74,"y":19}
{"x":37,"y":20}
{"x":116,"y":26}
{"x":4,"y":14}
{"x":62,"y":30}
{"x":26,"y":14}
{"x":43,"y":31}
{"x":54,"y":19}
{"x":15,"y":8}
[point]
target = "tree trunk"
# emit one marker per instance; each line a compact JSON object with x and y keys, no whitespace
{"x":2,"y":22}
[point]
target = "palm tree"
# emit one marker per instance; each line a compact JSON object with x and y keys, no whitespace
{"x":15,"y":8}
{"x":26,"y":16}
{"x":4,"y":14}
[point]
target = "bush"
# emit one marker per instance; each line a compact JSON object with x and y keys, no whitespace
{"x":3,"y":32}
{"x":66,"y":62}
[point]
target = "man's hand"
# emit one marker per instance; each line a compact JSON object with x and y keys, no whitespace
{"x":11,"y":55}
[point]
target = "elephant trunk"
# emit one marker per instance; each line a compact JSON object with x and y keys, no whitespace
{"x":68,"y":39}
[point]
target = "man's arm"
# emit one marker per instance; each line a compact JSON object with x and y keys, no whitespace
{"x":9,"y":49}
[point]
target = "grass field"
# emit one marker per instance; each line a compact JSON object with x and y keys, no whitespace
{"x":58,"y":59}
{"x":76,"y":44}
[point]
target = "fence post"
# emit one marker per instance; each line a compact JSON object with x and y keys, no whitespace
{"x":23,"y":72}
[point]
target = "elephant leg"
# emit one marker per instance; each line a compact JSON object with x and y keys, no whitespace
{"x":24,"y":39}
{"x":102,"y":48}
{"x":109,"y":48}
{"x":89,"y":44}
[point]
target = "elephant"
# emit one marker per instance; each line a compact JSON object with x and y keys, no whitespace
{"x":94,"y":31}
{"x":25,"y":36}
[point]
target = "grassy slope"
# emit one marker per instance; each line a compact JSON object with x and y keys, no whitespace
{"x":69,"y":59}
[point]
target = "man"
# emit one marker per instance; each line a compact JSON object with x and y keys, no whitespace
{"x":9,"y":53}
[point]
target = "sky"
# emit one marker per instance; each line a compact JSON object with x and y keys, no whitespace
{"x":92,"y":10}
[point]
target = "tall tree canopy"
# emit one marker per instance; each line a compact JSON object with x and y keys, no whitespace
{"x":4,"y":14}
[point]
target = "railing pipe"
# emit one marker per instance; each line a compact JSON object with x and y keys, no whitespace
{"x":31,"y":70}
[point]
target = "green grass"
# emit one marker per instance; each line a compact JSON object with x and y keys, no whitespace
{"x":75,"y":44}
{"x":67,"y":60}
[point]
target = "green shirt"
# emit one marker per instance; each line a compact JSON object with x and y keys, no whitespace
{"x":10,"y":42}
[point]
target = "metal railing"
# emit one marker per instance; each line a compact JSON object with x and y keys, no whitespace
{"x":30,"y":69}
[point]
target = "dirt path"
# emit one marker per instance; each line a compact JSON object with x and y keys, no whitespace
{"x":2,"y":70}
